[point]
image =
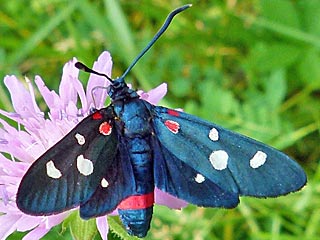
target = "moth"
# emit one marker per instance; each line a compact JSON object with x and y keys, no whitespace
{"x":116,"y":156}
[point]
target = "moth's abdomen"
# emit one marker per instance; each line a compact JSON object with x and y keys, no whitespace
{"x":134,"y":221}
{"x":136,"y":213}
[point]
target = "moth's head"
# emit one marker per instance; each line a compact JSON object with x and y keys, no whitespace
{"x":119,"y":90}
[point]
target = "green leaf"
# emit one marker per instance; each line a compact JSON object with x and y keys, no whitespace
{"x":309,"y":67}
{"x":82,"y":229}
{"x":280,"y":11}
{"x":274,"y":56}
{"x":310,"y":12}
{"x":217,"y":103}
{"x":276,"y":89}
{"x":117,"y":228}
{"x":180,"y":87}
{"x":44,"y":31}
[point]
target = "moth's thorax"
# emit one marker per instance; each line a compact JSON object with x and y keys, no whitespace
{"x":135,"y":117}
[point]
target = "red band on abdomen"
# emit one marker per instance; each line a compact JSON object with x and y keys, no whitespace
{"x":137,"y":202}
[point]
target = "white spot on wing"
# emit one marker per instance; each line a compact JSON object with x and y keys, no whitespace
{"x":199,"y":178}
{"x":104,"y":183}
{"x":52,"y":171}
{"x":258,"y":159}
{"x":214,"y":134}
{"x":80,"y":138}
{"x":219,"y":159}
{"x":85,"y":166}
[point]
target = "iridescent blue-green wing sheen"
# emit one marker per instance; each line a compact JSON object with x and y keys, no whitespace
{"x":208,"y":165}
{"x":182,"y":181}
{"x":118,"y":184}
{"x":69,"y":173}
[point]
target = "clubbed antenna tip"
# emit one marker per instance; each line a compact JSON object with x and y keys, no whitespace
{"x":156,"y":36}
{"x":83,"y":67}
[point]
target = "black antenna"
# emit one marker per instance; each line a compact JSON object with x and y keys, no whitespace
{"x":83,"y":67}
{"x":156,"y":37}
{"x":164,"y":27}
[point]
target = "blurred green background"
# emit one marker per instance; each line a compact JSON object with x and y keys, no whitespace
{"x":251,"y":66}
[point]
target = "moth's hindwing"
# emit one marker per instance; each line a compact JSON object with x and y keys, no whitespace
{"x":180,"y":180}
{"x":118,"y":183}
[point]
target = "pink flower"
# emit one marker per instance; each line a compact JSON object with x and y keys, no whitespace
{"x":34,"y":134}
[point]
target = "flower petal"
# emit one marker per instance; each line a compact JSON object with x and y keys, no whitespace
{"x":51,"y":98}
{"x":103,"y":227}
{"x":26,"y":223}
{"x":7,"y":224}
{"x":103,"y":65}
{"x":154,"y":95}
{"x":21,"y":99}
{"x":13,"y":144}
{"x":36,"y":233}
{"x":79,"y":88}
{"x":66,"y":90}
{"x":54,"y":220}
{"x":163,"y":198}
{"x":33,"y":98}
{"x":4,"y":194}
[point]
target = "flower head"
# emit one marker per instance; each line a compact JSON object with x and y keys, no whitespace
{"x":38,"y":131}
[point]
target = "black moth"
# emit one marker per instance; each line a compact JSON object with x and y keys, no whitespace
{"x":116,"y":156}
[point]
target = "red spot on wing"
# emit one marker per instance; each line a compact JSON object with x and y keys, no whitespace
{"x":105,"y":128}
{"x":172,"y":126}
{"x":173,"y":113}
{"x":96,"y":116}
{"x":137,"y":202}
